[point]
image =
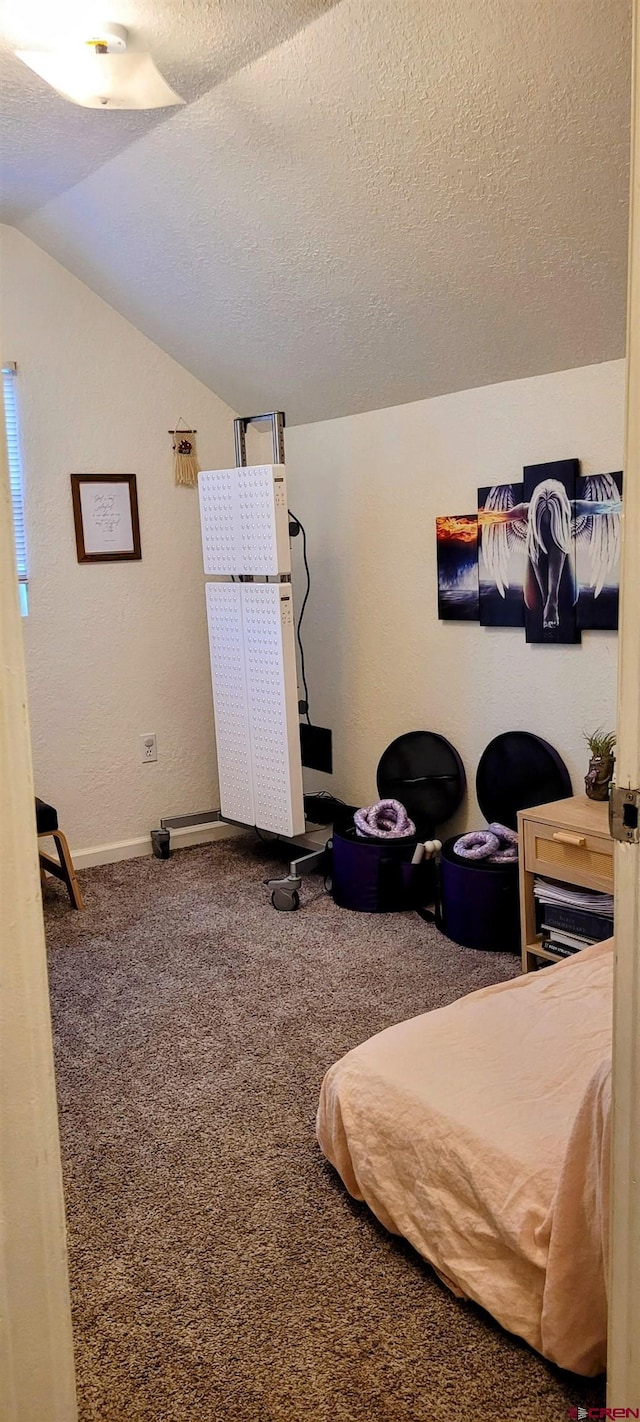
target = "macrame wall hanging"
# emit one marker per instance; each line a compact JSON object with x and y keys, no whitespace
{"x":185,"y":457}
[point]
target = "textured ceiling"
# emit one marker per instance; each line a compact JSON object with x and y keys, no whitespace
{"x":47,"y":144}
{"x":400,"y":200}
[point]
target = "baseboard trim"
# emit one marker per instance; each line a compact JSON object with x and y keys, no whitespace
{"x":137,"y":848}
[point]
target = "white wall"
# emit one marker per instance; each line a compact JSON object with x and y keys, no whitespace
{"x":369,"y":488}
{"x":117,"y":649}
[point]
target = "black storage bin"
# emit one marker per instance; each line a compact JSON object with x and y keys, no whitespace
{"x":480,"y":901}
{"x":424,"y":772}
{"x":376,"y":875}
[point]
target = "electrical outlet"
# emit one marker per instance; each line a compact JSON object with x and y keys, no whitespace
{"x":148,"y":747}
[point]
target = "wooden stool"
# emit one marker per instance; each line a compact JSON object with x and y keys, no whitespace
{"x":62,"y":867}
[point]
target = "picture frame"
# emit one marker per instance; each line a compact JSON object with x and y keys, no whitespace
{"x":105,"y":516}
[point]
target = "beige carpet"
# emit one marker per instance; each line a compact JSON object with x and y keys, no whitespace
{"x":220,"y":1273}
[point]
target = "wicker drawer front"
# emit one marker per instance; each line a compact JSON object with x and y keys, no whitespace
{"x":568,"y":855}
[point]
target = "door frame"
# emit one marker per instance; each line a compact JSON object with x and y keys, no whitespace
{"x":623,"y":1382}
{"x":36,"y":1345}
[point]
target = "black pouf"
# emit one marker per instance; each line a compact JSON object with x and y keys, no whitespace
{"x":425,"y":773}
{"x":480,"y":901}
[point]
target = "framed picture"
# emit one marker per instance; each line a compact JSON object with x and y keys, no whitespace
{"x":105,"y":514}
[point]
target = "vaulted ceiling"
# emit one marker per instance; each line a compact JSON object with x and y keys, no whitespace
{"x":362,"y":203}
{"x":48,"y":145}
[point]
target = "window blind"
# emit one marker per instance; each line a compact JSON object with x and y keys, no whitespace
{"x":14,"y":454}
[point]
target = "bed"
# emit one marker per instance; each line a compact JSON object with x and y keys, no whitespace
{"x":480,"y":1132}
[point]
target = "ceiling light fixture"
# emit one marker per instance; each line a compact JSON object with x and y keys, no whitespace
{"x":101,"y":75}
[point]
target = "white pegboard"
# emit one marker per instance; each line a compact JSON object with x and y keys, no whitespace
{"x":218,"y":520}
{"x":270,"y":659}
{"x":255,"y":693}
{"x":244,"y":520}
{"x":233,"y":740}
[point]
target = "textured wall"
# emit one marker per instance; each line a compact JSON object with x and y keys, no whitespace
{"x":118,"y":649}
{"x":402,"y":200}
{"x":379,"y":662}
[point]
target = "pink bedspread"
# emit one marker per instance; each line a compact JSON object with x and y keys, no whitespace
{"x":481,"y":1133}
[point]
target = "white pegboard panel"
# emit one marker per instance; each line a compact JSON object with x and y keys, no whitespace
{"x":228,"y":675}
{"x":244,"y":520}
{"x":269,"y":634}
{"x":263,"y":519}
{"x":218,"y":520}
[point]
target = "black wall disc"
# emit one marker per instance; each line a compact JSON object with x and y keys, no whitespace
{"x":425,"y":773}
{"x":518,"y":770}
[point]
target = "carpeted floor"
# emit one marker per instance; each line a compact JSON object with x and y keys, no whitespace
{"x":220,"y":1272}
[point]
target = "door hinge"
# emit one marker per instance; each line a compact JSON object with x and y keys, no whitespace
{"x":624,"y":815}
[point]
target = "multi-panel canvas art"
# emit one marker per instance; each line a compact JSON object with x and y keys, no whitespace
{"x":501,"y":556}
{"x":457,"y":553}
{"x":598,"y":542}
{"x":543,"y":554}
{"x":550,"y":590}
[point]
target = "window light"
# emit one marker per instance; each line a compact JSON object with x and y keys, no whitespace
{"x":14,"y":453}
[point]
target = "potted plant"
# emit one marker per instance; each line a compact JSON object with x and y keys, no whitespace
{"x":600,"y":772}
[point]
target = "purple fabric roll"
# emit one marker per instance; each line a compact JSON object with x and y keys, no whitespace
{"x":480,"y":844}
{"x":508,"y":851}
{"x":497,"y":844}
{"x":504,"y":834}
{"x":387,"y":819}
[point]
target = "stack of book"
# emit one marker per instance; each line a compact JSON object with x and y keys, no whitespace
{"x":571,"y":919}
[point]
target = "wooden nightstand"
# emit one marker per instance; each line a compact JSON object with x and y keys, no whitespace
{"x":568,"y":841}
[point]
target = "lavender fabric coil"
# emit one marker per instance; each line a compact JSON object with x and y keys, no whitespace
{"x":497,"y":844}
{"x":504,"y":834}
{"x":508,"y":851}
{"x":387,"y":819}
{"x":481,"y":844}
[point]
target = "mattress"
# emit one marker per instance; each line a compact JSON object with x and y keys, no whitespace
{"x":480,"y":1132}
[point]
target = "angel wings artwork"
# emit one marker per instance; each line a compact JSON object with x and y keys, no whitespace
{"x":549,"y":554}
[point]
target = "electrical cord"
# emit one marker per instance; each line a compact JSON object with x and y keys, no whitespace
{"x":302,"y":610}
